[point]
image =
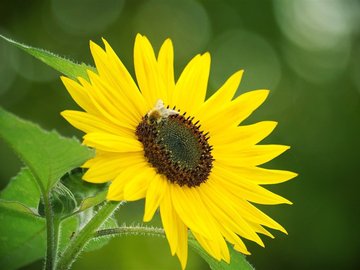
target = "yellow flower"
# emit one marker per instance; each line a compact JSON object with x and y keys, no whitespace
{"x":162,"y":141}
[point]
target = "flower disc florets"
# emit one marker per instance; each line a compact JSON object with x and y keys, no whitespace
{"x":175,"y":146}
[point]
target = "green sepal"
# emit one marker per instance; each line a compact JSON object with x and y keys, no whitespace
{"x":62,"y":201}
{"x":86,"y":194}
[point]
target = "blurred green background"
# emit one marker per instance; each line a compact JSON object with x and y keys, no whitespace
{"x":307,"y":52}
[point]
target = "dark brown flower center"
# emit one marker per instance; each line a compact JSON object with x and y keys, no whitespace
{"x":176,"y":147}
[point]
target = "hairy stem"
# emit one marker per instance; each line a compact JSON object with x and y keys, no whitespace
{"x":52,"y":233}
{"x":130,"y":230}
{"x":78,"y":243}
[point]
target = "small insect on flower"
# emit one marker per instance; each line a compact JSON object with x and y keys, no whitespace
{"x":194,"y":162}
{"x":159,"y":113}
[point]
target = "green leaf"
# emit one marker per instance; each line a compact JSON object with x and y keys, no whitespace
{"x":68,"y":227}
{"x":48,"y":155}
{"x":93,"y":200}
{"x":18,"y":207}
{"x":65,"y":66}
{"x":62,"y":201}
{"x":21,"y":198}
{"x":22,"y":237}
{"x":237,"y":261}
{"x":22,"y":189}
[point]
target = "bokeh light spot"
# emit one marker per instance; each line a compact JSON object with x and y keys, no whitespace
{"x":240,"y":49}
{"x":318,"y":34}
{"x":317,"y":66}
{"x":82,"y":17}
{"x":185,"y":22}
{"x":319,"y":24}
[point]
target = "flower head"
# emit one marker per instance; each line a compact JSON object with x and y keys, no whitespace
{"x":161,"y":140}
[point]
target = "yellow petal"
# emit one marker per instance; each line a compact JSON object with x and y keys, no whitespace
{"x":120,"y":86}
{"x":138,"y":184}
{"x":112,"y":143}
{"x":169,"y":220}
{"x":234,"y":239}
{"x":80,"y":95}
{"x":125,"y":85}
{"x":182,"y":248}
{"x":190,"y":89}
{"x":246,"y":189}
{"x":147,"y":72}
{"x":156,"y":190}
{"x":243,"y":136}
{"x":107,"y":96}
{"x":259,"y":229}
{"x":175,"y":230}
{"x":90,"y":123}
{"x":106,"y":167}
{"x":262,"y":176}
{"x":251,"y":156}
{"x":116,"y":189}
{"x":257,"y":216}
{"x":197,"y":218}
{"x":166,"y":67}
{"x":209,"y":247}
{"x":218,"y":250}
{"x":246,"y":209}
{"x":232,"y":114}
{"x":102,"y":103}
{"x":223,"y":211}
{"x":98,"y":154}
{"x":221,"y":96}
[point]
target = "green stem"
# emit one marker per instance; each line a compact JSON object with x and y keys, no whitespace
{"x":56,"y":235}
{"x":52,"y":224}
{"x":130,"y":230}
{"x":240,"y":261}
{"x":134,"y":230}
{"x":52,"y":233}
{"x":77,"y":244}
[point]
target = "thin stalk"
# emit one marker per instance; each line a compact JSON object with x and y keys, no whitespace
{"x":78,"y":243}
{"x":130,"y":230}
{"x":133,"y":230}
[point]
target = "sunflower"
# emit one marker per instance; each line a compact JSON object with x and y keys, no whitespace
{"x":161,"y":140}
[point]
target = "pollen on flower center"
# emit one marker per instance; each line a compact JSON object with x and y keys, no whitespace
{"x":175,"y":146}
